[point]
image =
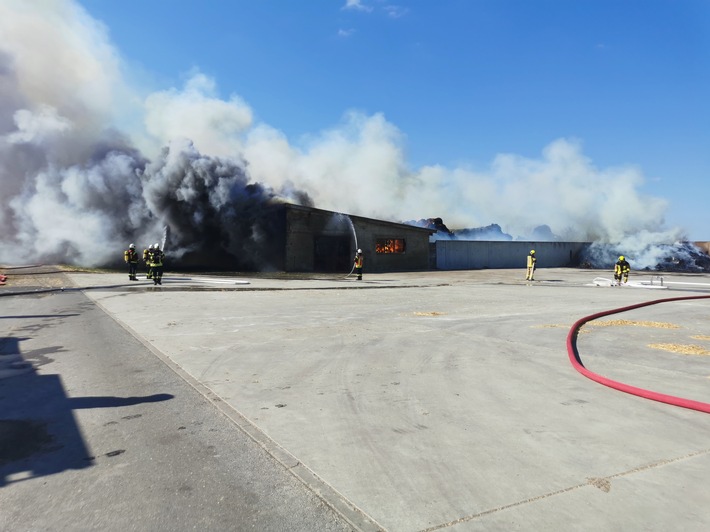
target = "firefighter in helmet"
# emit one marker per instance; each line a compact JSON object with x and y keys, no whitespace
{"x":358,"y":262}
{"x":130,"y":256}
{"x":532,"y":260}
{"x":621,"y":270}
{"x":146,"y":259}
{"x":156,"y":257}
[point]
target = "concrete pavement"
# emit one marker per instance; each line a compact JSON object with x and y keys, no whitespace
{"x":446,"y":400}
{"x":102,"y":435}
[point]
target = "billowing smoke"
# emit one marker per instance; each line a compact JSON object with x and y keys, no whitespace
{"x":89,"y":163}
{"x":76,"y":190}
{"x":211,"y":208}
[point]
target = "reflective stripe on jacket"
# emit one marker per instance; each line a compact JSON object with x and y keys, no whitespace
{"x":155,"y":258}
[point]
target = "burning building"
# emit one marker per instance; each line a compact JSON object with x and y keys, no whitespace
{"x":325,"y":241}
{"x":297,"y":238}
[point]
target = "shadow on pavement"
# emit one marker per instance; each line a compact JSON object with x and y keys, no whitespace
{"x":39,"y":434}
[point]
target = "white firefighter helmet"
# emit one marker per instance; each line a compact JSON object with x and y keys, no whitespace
{"x":132,"y":246}
{"x":156,"y":246}
{"x":150,"y":247}
{"x":359,"y":250}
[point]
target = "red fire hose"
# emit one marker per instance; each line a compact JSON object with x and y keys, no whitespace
{"x":647,"y":394}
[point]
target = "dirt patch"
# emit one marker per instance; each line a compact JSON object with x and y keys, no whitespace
{"x":681,"y":349}
{"x":616,"y":323}
{"x":558,"y":326}
{"x":601,"y":483}
{"x":631,"y":323}
{"x":36,"y":277}
{"x":701,"y":337}
{"x":428,"y":313}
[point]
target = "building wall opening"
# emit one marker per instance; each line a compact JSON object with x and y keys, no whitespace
{"x":332,"y":254}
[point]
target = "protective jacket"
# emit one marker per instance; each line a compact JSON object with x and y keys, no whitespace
{"x":621,"y":267}
{"x":130,"y":255}
{"x":530,"y":274}
{"x":155,"y":258}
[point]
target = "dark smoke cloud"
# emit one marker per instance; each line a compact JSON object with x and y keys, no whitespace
{"x":87,"y":213}
{"x":76,"y":190}
{"x":211,"y":208}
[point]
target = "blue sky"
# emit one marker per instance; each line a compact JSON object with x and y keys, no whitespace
{"x":463,"y":80}
{"x":590,"y":116}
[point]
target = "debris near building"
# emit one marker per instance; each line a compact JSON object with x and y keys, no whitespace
{"x":684,"y":257}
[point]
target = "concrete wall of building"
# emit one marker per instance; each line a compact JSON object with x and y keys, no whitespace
{"x":306,"y":229}
{"x":414,"y":258}
{"x":480,"y":254}
{"x":299,"y":242}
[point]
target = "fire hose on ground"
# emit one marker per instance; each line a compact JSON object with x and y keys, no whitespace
{"x":640,"y":392}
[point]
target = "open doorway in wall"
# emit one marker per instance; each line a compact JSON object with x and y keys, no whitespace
{"x":332,"y":254}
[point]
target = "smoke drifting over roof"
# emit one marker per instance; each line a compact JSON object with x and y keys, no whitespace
{"x":89,"y":164}
{"x":76,"y":190}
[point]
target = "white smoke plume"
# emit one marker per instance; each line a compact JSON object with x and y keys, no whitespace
{"x":80,"y":181}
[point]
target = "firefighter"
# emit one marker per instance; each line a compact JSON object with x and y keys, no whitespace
{"x":621,"y":269}
{"x":532,"y":260}
{"x":358,"y":264}
{"x":130,"y":256}
{"x":146,"y":259}
{"x":156,"y":257}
